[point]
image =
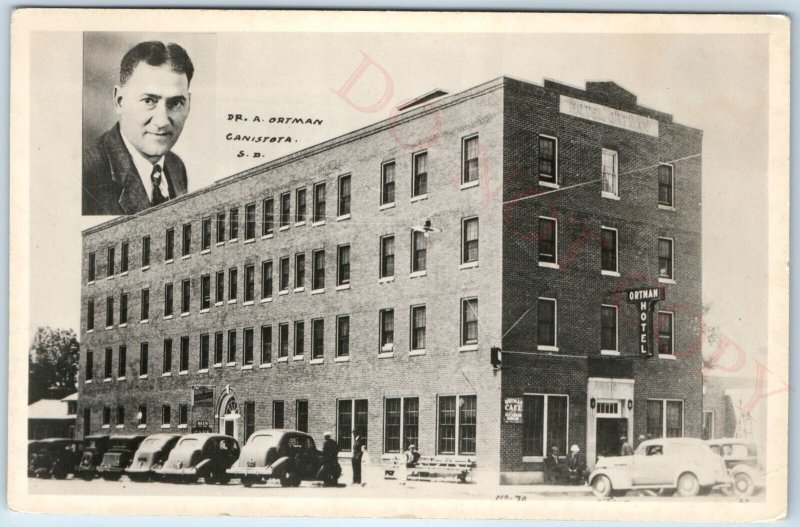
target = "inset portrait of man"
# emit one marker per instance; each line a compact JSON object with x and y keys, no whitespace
{"x":131,"y":167}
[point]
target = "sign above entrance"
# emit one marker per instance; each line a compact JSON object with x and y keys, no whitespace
{"x":610,"y":116}
{"x":645,"y":299}
{"x":512,"y":407}
{"x":203,"y":396}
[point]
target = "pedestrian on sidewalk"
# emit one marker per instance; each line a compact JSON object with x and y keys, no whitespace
{"x":359,"y":446}
{"x":410,"y":461}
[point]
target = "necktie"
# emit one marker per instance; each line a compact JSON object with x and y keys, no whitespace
{"x":155,"y":178}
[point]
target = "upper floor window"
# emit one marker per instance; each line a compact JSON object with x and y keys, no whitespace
{"x":548,"y":240}
{"x":318,"y":273}
{"x":546,"y":323}
{"x":283,"y":340}
{"x":469,"y":322}
{"x":286,"y":209}
{"x":166,"y":362}
{"x":122,"y":362}
{"x":284,"y":274}
{"x":89,"y":371}
{"x":343,"y":265}
{"x":168,"y":300}
{"x":317,"y":338}
{"x":419,"y":251}
{"x":344,"y":196}
{"x":250,"y":221}
{"x":187,"y":240}
{"x":204,"y":351}
{"x":233,"y":284}
{"x":419,"y":183}
{"x":123,"y":309}
{"x":387,"y":182}
{"x":220,"y":287}
{"x":608,"y":328}
{"x":144,"y":358}
{"x":665,"y":261}
{"x":343,"y":336}
{"x":418,"y":328}
{"x":665,"y":333}
{"x":300,"y":205}
{"x":665,"y":185}
{"x":610,"y":174}
{"x":247,"y":360}
{"x":387,"y":256}
{"x":469,"y":236}
{"x":608,"y":249}
{"x":123,"y":257}
{"x":169,"y":245}
{"x":470,"y":160}
{"x":319,"y":202}
{"x":218,"y":347}
{"x":110,"y":268}
{"x":231,"y":346}
{"x":183,"y":357}
{"x":299,"y":338}
{"x":548,"y":159}
{"x":299,"y":270}
{"x":266,"y":279}
{"x":145,"y":305}
{"x":233,"y":224}
{"x":108,"y":365}
{"x":206,"y":234}
{"x":266,"y":344}
{"x":268,"y":217}
{"x":186,"y":295}
{"x":205,"y":292}
{"x":220,"y":227}
{"x":249,"y":283}
{"x":146,"y":251}
{"x":109,"y":311}
{"x":92,"y":270}
{"x":90,"y":315}
{"x":387,"y":330}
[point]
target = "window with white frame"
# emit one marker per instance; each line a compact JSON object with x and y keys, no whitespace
{"x":608,"y":250}
{"x":266,"y":344}
{"x":548,"y":159}
{"x":610,"y":173}
{"x":220,"y":227}
{"x":469,"y":161}
{"x":319,"y":202}
{"x":286,"y":209}
{"x":300,"y":205}
{"x":664,"y":418}
{"x":342,"y":265}
{"x":317,"y":338}
{"x":123,"y":309}
{"x":352,"y":415}
{"x":186,"y":296}
{"x":665,"y":330}
{"x":205,"y":344}
{"x":548,"y":240}
{"x":457,"y":424}
{"x":166,"y":415}
{"x":284,"y":274}
{"x":469,"y":322}
{"x":545,"y":421}
{"x":546,"y":323}
{"x":608,"y":328}
{"x":218,"y":347}
{"x":166,"y":359}
{"x":183,"y":415}
{"x":418,"y":327}
{"x":186,"y":240}
{"x":299,"y":338}
{"x":205,"y":292}
{"x":387,"y":182}
{"x":419,"y":184}
{"x":419,"y":251}
{"x":250,"y":221}
{"x":283,"y":341}
{"x":387,"y":257}
{"x":665,"y":185}
{"x":267,"y":216}
{"x":665,"y":261}
{"x":220,"y":287}
{"x":318,"y":272}
{"x":249,"y":282}
{"x":183,"y":358}
{"x":247,"y":337}
{"x":205,"y":234}
{"x":266,"y":279}
{"x":401,"y":424}
{"x":343,"y":336}
{"x":232,"y":346}
{"x":344,"y":196}
{"x":469,"y":237}
{"x":386,"y":320}
{"x":299,"y":270}
{"x":233,"y":224}
{"x":124,"y":257}
{"x":120,"y":416}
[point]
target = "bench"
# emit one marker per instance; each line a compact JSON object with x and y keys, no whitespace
{"x":429,"y":468}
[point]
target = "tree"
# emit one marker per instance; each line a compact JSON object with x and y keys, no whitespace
{"x":52,"y":364}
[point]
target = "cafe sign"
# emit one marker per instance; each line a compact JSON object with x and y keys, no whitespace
{"x":645,"y":300}
{"x":512,"y":410}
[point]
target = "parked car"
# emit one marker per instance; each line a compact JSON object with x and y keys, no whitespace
{"x":206,"y":456}
{"x":54,"y":458}
{"x":94,"y":448}
{"x":745,"y":466}
{"x":287,"y":455}
{"x":119,"y":456}
{"x":151,"y":454}
{"x":684,"y":464}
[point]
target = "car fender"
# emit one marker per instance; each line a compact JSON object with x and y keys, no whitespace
{"x":704,"y":476}
{"x":203,"y":464}
{"x":620,"y":479}
{"x":280,"y":465}
{"x":754,"y":474}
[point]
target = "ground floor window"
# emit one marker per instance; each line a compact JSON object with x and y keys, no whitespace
{"x":545,"y":424}
{"x":277,"y":414}
{"x":249,"y":419}
{"x":664,"y":418}
{"x":302,"y":415}
{"x":352,"y":416}
{"x":183,"y":415}
{"x":401,"y":424}
{"x":708,"y":425}
{"x":457,"y":424}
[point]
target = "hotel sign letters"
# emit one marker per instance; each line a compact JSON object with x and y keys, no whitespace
{"x":645,"y":300}
{"x":610,"y":116}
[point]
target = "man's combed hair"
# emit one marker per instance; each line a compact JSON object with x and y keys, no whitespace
{"x":156,"y":53}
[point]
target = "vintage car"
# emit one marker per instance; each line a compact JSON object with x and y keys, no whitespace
{"x":206,"y":456}
{"x":118,"y":456}
{"x":744,"y":464}
{"x":286,"y":455}
{"x":152,"y":454}
{"x":54,"y":458}
{"x":94,"y":448}
{"x":683,"y":464}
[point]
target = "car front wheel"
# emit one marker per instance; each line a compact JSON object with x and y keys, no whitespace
{"x":601,"y":487}
{"x":743,"y":484}
{"x":688,"y":485}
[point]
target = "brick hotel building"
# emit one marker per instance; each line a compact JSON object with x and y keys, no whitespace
{"x":360,"y":284}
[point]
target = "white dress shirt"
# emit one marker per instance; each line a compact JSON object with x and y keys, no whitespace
{"x":145,"y":169}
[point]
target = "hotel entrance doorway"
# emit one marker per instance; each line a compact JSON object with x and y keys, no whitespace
{"x":609,"y":432}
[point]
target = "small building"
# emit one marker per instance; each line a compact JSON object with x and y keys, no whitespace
{"x":53,"y":417}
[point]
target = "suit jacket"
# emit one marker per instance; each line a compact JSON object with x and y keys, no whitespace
{"x":111,"y":184}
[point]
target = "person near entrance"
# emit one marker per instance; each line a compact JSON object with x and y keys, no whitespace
{"x":555,"y":469}
{"x":625,"y":448}
{"x":576,"y":466}
{"x":359,"y":446}
{"x":330,"y":461}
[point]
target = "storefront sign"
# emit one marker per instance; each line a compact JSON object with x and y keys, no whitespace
{"x":203,"y":396}
{"x":201,"y":427}
{"x":609,"y":116}
{"x":513,"y":410}
{"x":645,"y":300}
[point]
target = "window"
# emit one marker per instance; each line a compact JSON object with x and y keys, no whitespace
{"x":300,"y":205}
{"x":146,"y":251}
{"x":664,"y":418}
{"x":608,"y":249}
{"x":122,"y":361}
{"x":266,"y":344}
{"x":106,"y":416}
{"x":401,"y":425}
{"x":232,"y":346}
{"x":186,"y":240}
{"x":457,"y":424}
{"x":343,"y":265}
{"x":166,"y":415}
{"x":124,"y":257}
{"x":218,"y":348}
{"x":302,"y":415}
{"x":319,"y":202}
{"x":299,"y":338}
{"x":233,"y":284}
{"x":344,"y":196}
{"x":418,"y":328}
{"x":283,"y":341}
{"x":299,"y":271}
{"x":168,"y":300}
{"x":470,"y":160}
{"x":204,"y":350}
{"x":205,"y":292}
{"x":233,"y":224}
{"x":92,"y":271}
{"x":548,"y":240}
{"x":169,"y":245}
{"x":469,"y":235}
{"x":250,"y":221}
{"x":284,"y":276}
{"x":665,"y":333}
{"x":343,"y":336}
{"x":545,"y":424}
{"x":220,"y":227}
{"x":248,"y":347}
{"x":249,"y":419}
{"x":665,"y":185}
{"x":145,"y":305}
{"x":318,"y":272}
{"x":266,"y":279}
{"x":144,"y":358}
{"x":665,"y":258}
{"x":317,"y":339}
{"x":608,"y":328}
{"x":268,"y":217}
{"x":708,"y":425}
{"x":109,"y":311}
{"x":89,"y":372}
{"x":386,"y":330}
{"x":352,"y":416}
{"x":469,"y":322}
{"x":108,"y":364}
{"x":546,"y":323}
{"x":249,"y":283}
{"x":205,"y":234}
{"x":110,"y":267}
{"x":419,"y":184}
{"x":123,"y":309}
{"x":90,"y":315}
{"x":142,"y":415}
{"x":186,"y":295}
{"x":419,"y":251}
{"x":120,"y":416}
{"x":220,"y":290}
{"x":277,"y":414}
{"x":166,"y":365}
{"x":548,"y":159}
{"x":610,"y":175}
{"x":183,"y":358}
{"x":286,"y":205}
{"x":387,"y":256}
{"x":387,"y":183}
{"x":183,"y":415}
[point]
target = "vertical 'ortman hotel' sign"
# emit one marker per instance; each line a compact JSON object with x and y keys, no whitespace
{"x":609,"y":116}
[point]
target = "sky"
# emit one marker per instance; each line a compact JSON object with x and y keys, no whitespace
{"x":717,"y":83}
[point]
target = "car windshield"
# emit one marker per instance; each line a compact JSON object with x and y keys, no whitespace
{"x":264,"y":441}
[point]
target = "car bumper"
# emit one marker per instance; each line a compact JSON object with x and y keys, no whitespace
{"x":139,"y":470}
{"x":167,"y":471}
{"x":110,"y":470}
{"x":258,"y":472}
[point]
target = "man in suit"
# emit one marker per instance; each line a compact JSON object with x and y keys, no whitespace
{"x":130,"y":167}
